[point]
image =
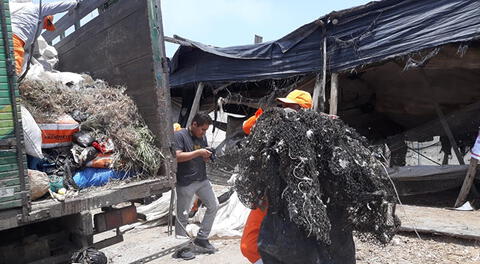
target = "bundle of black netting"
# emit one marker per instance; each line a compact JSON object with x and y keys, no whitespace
{"x":304,"y":162}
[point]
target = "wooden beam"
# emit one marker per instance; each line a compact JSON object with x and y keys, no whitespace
{"x":319,"y":91}
{"x":196,"y":104}
{"x":221,"y":87}
{"x":248,"y":104}
{"x":316,"y":92}
{"x":177,"y":41}
{"x":467,"y":183}
{"x":170,"y":211}
{"x":334,"y":94}
{"x":449,"y":133}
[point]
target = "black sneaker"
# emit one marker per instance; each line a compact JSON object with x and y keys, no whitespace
{"x":184,"y":253}
{"x":203,"y":243}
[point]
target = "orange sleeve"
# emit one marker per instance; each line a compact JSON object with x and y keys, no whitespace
{"x":248,"y":244}
{"x":250,"y":122}
{"x":19,"y":52}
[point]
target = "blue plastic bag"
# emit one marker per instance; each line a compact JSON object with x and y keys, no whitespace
{"x":89,"y":177}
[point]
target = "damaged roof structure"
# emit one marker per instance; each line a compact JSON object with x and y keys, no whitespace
{"x":355,"y":37}
{"x":408,"y":70}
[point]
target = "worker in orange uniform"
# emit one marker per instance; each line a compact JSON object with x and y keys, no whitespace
{"x":25,"y":24}
{"x":295,"y":100}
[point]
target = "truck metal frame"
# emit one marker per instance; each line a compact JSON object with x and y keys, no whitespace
{"x":124,"y":46}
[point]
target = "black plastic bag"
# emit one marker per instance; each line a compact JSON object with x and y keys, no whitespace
{"x":281,"y":241}
{"x":78,"y":116}
{"x":89,"y":256}
{"x":83,"y":139}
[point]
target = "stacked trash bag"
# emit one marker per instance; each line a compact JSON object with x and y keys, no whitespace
{"x":67,"y":157}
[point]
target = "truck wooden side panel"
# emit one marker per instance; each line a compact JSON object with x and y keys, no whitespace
{"x":13,"y":177}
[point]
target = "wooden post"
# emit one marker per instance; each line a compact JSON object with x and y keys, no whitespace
{"x":170,"y":211}
{"x":76,"y":19}
{"x":467,"y":183}
{"x":196,"y":104}
{"x":316,"y":92}
{"x":449,"y":133}
{"x":319,"y":92}
{"x":258,"y":39}
{"x":334,"y":94}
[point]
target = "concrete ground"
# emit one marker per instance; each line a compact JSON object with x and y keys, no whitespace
{"x":404,"y":249}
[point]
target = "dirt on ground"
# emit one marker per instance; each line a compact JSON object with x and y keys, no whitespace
{"x":156,"y":247}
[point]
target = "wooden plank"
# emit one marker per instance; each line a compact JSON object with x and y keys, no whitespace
{"x":8,"y":160}
{"x":8,"y":174}
{"x":4,"y":101}
{"x":96,"y":198}
{"x":460,"y":224}
{"x":6,"y":116}
{"x":5,"y":194}
{"x":8,"y":167}
{"x":333,"y":94}
{"x":6,"y":123}
{"x":196,"y":104}
{"x":319,"y":92}
{"x":6,"y":133}
{"x":9,"y":182}
{"x":8,"y":205}
{"x":467,"y":183}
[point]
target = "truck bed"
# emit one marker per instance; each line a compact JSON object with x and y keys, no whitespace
{"x":94,"y":198}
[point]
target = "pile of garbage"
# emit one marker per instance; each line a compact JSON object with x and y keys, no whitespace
{"x":303,"y":163}
{"x":91,"y":125}
{"x":82,"y":132}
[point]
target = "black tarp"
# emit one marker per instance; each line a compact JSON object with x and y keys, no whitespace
{"x":370,"y":33}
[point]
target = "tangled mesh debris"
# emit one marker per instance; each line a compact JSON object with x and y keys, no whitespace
{"x":109,"y":112}
{"x":304,"y":162}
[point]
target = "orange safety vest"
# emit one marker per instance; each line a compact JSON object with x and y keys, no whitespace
{"x":19,"y":52}
{"x":248,"y":244}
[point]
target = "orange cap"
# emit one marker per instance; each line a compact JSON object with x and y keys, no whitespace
{"x":299,"y":97}
{"x":48,"y":23}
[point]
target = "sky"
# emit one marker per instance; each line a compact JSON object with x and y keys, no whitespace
{"x":225,"y":23}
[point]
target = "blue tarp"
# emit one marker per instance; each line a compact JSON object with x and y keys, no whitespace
{"x":89,"y":177}
{"x":371,"y":33}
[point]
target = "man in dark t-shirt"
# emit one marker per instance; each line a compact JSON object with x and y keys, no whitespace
{"x":192,"y":178}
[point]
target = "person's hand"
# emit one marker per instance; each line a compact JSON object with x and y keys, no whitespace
{"x":205,"y":154}
{"x":330,"y":116}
